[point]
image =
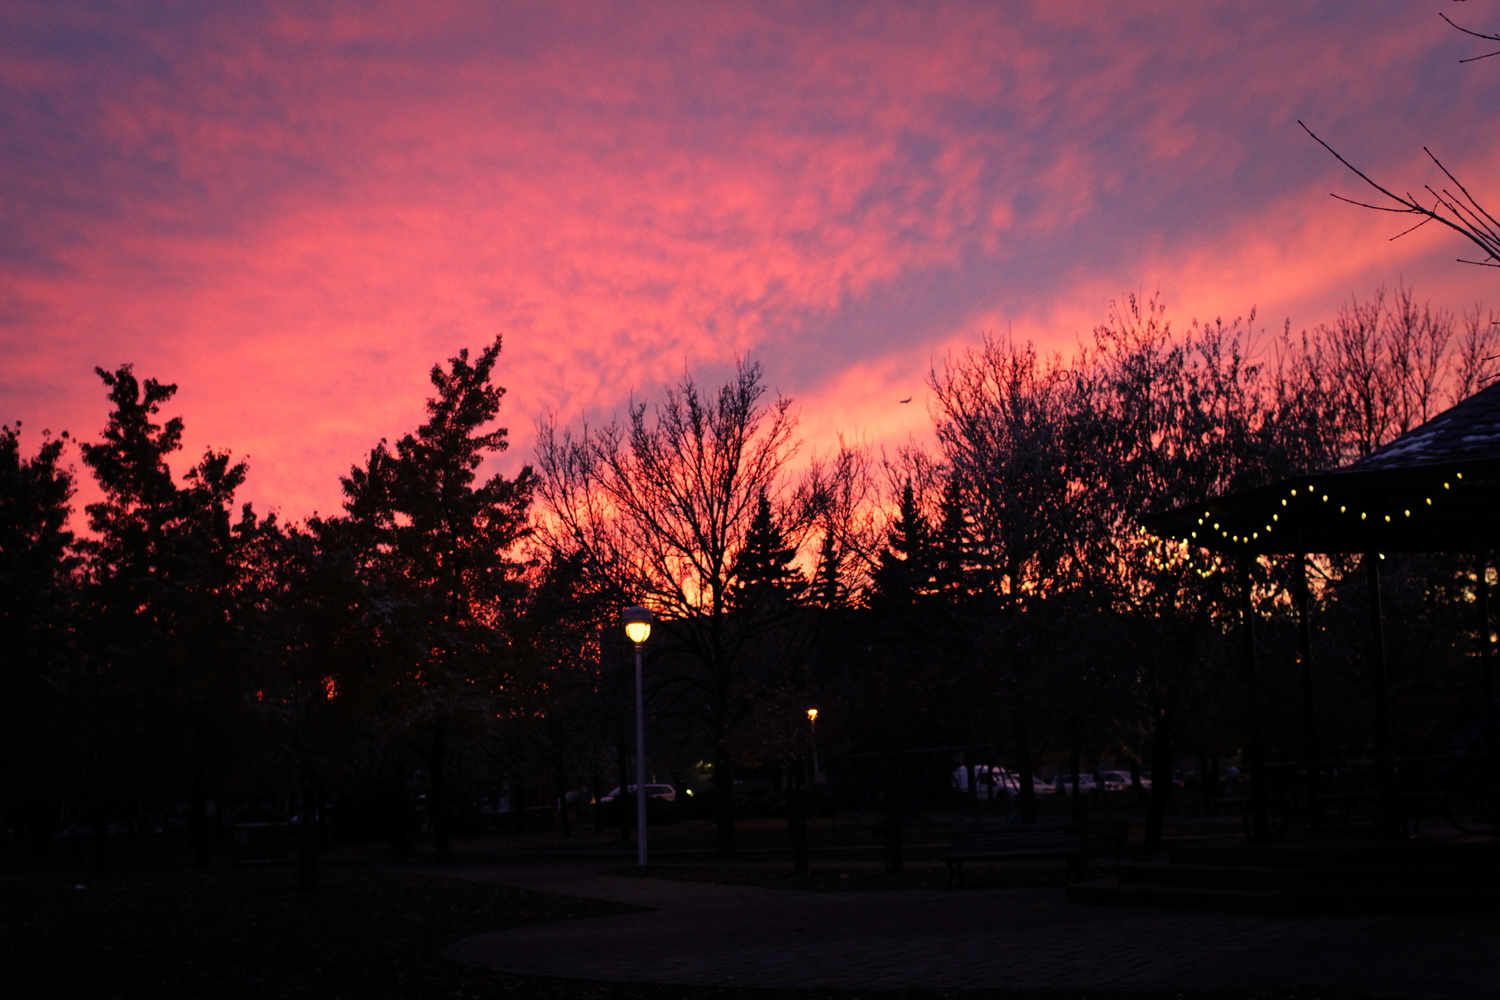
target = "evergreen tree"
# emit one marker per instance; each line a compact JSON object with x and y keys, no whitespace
{"x":164,"y":565}
{"x":906,"y":569}
{"x":763,"y":578}
{"x":953,"y":547}
{"x":37,"y":617}
{"x":434,"y":548}
{"x":829,"y":589}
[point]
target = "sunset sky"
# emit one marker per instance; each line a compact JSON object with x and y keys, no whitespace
{"x":293,"y":210}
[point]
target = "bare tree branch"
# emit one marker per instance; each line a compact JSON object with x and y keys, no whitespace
{"x":1476,"y":34}
{"x":1462,"y":214}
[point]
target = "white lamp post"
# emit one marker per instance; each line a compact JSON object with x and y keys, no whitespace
{"x":812,"y":728}
{"x":637,"y":621}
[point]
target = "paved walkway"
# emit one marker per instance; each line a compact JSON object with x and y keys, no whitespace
{"x":713,"y":935}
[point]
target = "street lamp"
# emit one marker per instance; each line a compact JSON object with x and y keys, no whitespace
{"x":637,"y":622}
{"x":812,"y":727}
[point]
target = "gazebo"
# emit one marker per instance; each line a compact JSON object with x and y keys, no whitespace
{"x":1434,"y":489}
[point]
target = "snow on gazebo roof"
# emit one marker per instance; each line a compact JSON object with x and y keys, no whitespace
{"x":1468,"y":432}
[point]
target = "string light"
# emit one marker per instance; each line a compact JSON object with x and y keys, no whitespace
{"x":1186,"y":542}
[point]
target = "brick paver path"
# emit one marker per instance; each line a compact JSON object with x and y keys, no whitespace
{"x":714,"y":935}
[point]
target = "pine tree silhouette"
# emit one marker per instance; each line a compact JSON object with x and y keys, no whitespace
{"x":953,"y":547}
{"x":763,"y":577}
{"x":829,"y":590}
{"x":906,"y":566}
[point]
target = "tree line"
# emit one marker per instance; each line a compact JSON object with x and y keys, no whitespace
{"x":453,"y":633}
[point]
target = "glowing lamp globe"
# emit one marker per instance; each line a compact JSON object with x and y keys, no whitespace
{"x":812,"y":715}
{"x":637,"y":623}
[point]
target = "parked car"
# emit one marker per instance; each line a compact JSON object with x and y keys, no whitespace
{"x":1118,"y":781}
{"x":1064,"y":784}
{"x":664,"y":792}
{"x":993,"y":783}
{"x":989,"y":782}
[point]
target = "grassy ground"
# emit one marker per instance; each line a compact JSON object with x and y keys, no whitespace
{"x":759,"y":835}
{"x":160,"y":929}
{"x":246,"y":933}
{"x":819,"y":879}
{"x":756,"y":837}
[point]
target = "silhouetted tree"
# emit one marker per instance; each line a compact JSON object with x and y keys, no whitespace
{"x":38,"y":611}
{"x":163,"y":568}
{"x":434,"y":550}
{"x":662,"y":507}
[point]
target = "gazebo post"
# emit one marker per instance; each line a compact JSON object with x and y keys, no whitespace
{"x":1487,"y":665}
{"x":1260,"y":825}
{"x":1309,"y":721}
{"x":1385,"y":758}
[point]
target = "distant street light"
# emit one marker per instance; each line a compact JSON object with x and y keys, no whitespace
{"x":637,"y":621}
{"x":812,"y":727}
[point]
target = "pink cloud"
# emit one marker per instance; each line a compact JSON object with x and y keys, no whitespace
{"x":294,"y":213}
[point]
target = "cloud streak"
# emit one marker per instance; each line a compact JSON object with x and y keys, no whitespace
{"x":293,"y":212}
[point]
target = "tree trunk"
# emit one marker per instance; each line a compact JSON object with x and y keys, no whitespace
{"x":723,"y":803}
{"x":41,"y":828}
{"x":307,"y":840}
{"x":322,"y":822}
{"x":796,"y":820}
{"x":596,"y":807}
{"x":1026,"y":805}
{"x":437,"y":798}
{"x":562,"y":798}
{"x":1026,"y":799}
{"x":1075,"y":763}
{"x":1161,"y":771}
{"x":1203,"y":783}
{"x":101,"y":833}
{"x":1135,"y":779}
{"x":399,"y":832}
{"x":895,"y":815}
{"x":101,"y":785}
{"x":518,"y":803}
{"x":198,"y":818}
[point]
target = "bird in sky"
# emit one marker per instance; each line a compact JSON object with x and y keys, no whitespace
{"x":906,"y":400}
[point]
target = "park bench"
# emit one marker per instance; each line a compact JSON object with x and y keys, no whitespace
{"x":1073,"y":842}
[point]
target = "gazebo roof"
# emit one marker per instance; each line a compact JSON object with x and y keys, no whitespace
{"x":1468,"y":432}
{"x":1434,"y":489}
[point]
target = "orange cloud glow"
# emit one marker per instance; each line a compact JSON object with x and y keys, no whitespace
{"x":293,"y":211}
